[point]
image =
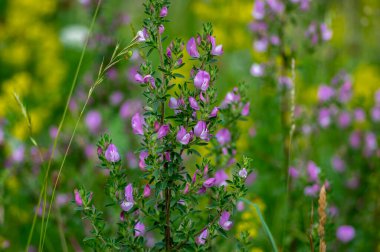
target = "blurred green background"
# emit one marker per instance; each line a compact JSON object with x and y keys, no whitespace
{"x":41,"y":43}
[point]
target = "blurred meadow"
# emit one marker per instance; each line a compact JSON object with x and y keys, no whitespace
{"x":314,"y":117}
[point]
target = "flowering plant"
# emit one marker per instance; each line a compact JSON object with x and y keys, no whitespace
{"x":180,"y":118}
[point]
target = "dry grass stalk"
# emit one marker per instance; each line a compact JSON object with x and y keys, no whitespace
{"x":322,"y":219}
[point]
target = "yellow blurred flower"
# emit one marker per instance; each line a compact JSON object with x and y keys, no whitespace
{"x":229,"y":18}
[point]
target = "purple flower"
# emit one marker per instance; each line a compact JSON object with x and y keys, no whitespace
{"x":192,"y":48}
{"x":345,"y":92}
{"x":18,"y":154}
{"x":326,"y":33}
{"x":345,"y":233}
{"x":173,"y":103}
{"x":240,"y":206}
{"x":276,"y":6}
{"x":243,"y":173}
{"x":324,"y":117}
{"x":111,"y":154}
{"x":150,"y":79}
{"x":193,"y":103}
{"x":325,"y":93}
{"x":355,"y":140}
{"x":139,"y":229}
{"x":143,"y":155}
{"x":359,"y":115}
{"x":245,"y":110}
{"x":93,"y":121}
{"x":344,"y":119}
{"x":375,"y":113}
{"x":142,"y":35}
{"x":214,"y":112}
{"x":216,"y":50}
{"x":338,"y":164}
{"x":370,"y":142}
{"x":311,"y":190}
{"x":186,"y":190}
{"x":116,"y":98}
{"x":163,"y":131}
{"x":202,"y":80}
{"x":128,"y":193}
{"x":201,"y":239}
{"x":261,"y":45}
{"x":138,"y":124}
{"x":139,"y":78}
{"x":257,"y":70}
{"x":223,"y":136}
{"x":312,"y":171}
{"x":201,"y":131}
{"x":164,"y":11}
{"x":78,"y":199}
{"x":221,"y":177}
{"x":231,"y":97}
{"x":202,"y":190}
{"x":161,"y":29}
{"x":126,"y":205}
{"x":147,"y":191}
{"x":293,"y":172}
{"x":224,"y":221}
{"x":377,"y":97}
{"x":209,"y":182}
{"x":259,"y":9}
{"x":183,"y":136}
{"x":275,"y":40}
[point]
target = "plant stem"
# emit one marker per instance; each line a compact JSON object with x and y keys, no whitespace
{"x":167,"y":190}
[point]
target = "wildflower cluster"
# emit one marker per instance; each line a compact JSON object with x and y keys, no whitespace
{"x":180,"y":119}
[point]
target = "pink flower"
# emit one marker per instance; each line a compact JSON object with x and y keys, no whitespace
{"x":257,"y":70}
{"x":173,"y":103}
{"x":209,"y":182}
{"x":193,"y":103}
{"x":161,"y":29}
{"x":126,"y":205}
{"x":293,"y":172}
{"x":216,"y":50}
{"x":93,"y":121}
{"x":78,"y":199}
{"x":164,"y":11}
{"x":258,"y":9}
{"x":201,"y":131}
{"x":311,"y":190}
{"x":142,"y":35}
{"x":243,"y":173}
{"x":139,"y":229}
{"x":326,"y":33}
{"x":223,"y":136}
{"x":344,"y":120}
{"x":345,"y":233}
{"x":192,"y":48}
{"x":128,"y":192}
{"x":338,"y":164}
{"x":163,"y":131}
{"x":186,"y":190}
{"x":182,"y":136}
{"x":202,"y":80}
{"x":201,"y":239}
{"x":147,"y":191}
{"x":312,"y":171}
{"x":138,"y":124}
{"x":143,"y":155}
{"x":224,"y":221}
{"x":214,"y":112}
{"x":111,"y":154}
{"x":221,"y":177}
{"x":325,"y":93}
{"x":245,"y":110}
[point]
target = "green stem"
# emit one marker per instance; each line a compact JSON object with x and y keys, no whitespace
{"x":266,"y":228}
